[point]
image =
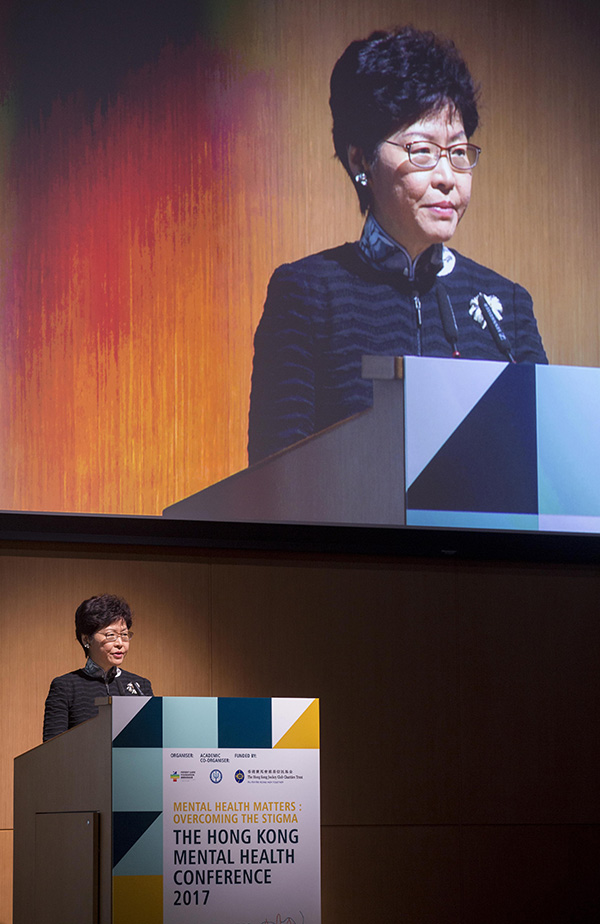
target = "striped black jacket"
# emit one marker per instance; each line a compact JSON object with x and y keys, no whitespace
{"x":70,"y":699}
{"x":324,"y":312}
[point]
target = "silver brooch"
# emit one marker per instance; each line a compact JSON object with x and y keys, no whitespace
{"x":495,"y":305}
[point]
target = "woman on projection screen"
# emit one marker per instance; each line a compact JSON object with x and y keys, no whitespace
{"x":404,"y":109}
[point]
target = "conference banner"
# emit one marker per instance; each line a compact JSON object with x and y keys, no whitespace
{"x":219,"y":820}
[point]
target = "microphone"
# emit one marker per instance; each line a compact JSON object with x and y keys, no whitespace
{"x":500,"y":338}
{"x":448,"y":318}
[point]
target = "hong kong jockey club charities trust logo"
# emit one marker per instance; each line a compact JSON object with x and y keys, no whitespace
{"x":215,"y":776}
{"x":239,"y":776}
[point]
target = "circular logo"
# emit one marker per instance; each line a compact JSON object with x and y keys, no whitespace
{"x":216,"y":776}
{"x":239,"y":776}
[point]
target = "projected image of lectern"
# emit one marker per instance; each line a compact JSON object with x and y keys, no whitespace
{"x":448,"y":443}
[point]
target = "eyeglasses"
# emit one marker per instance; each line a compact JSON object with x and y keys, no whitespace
{"x":425,"y":155}
{"x":113,"y":636}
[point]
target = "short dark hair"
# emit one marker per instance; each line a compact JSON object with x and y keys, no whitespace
{"x":390,"y":80}
{"x":98,"y":612}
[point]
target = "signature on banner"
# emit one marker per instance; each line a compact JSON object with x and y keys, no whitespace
{"x":280,"y":920}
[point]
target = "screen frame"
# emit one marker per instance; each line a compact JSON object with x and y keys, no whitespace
{"x":28,"y":529}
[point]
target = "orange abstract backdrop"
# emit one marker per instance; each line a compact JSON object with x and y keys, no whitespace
{"x":138,"y":241}
{"x":138,"y":234}
{"x":130,"y":304}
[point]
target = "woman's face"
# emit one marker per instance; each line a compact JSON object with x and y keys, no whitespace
{"x":107,"y":653}
{"x":420,"y":207}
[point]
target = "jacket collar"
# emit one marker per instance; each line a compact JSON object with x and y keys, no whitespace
{"x":385,"y":254}
{"x":93,"y":670}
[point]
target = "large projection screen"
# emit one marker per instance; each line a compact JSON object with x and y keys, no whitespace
{"x":158,"y":161}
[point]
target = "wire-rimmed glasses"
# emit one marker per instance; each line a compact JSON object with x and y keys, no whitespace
{"x":113,"y":636}
{"x":425,"y":155}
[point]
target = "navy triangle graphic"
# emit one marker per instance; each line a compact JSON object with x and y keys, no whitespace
{"x":145,"y":728}
{"x":245,"y":723}
{"x":489,"y":463}
{"x":128,"y":827}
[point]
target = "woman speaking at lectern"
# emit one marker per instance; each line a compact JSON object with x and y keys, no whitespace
{"x":404,"y":109}
{"x":103,"y":629}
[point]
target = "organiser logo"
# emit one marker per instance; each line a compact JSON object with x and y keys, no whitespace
{"x":182,"y":775}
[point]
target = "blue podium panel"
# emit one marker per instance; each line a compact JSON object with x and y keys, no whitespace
{"x":568,"y":418}
{"x":502,"y":446}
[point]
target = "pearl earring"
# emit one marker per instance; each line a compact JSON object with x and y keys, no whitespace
{"x":361,"y":179}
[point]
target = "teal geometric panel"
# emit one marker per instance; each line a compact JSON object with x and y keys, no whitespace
{"x":137,"y":844}
{"x":245,"y":723}
{"x":472,"y":519}
{"x":137,"y":779}
{"x":124,"y":709}
{"x":438,"y":395}
{"x":489,"y":462}
{"x":190,"y":722}
{"x":145,"y":728}
{"x":568,"y":421}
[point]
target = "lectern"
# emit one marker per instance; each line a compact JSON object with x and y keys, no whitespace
{"x":448,"y":443}
{"x":62,"y":828}
{"x":172,"y":810}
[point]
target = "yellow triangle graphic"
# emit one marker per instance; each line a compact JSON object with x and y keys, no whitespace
{"x":304,"y":733}
{"x":137,"y":898}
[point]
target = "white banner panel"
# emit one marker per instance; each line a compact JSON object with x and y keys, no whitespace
{"x":241,"y":836}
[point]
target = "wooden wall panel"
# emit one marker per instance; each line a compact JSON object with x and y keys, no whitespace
{"x":6,"y":853}
{"x":459,"y":707}
{"x":379,"y":647}
{"x":530,"y":873}
{"x":170,"y":601}
{"x":392,"y":873}
{"x":529,"y":695}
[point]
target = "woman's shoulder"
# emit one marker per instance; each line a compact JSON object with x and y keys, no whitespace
{"x":77,"y":677}
{"x":324,"y":264}
{"x":127,"y":677}
{"x":131,"y":676}
{"x":465,"y":267}
{"x":65,"y":680}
